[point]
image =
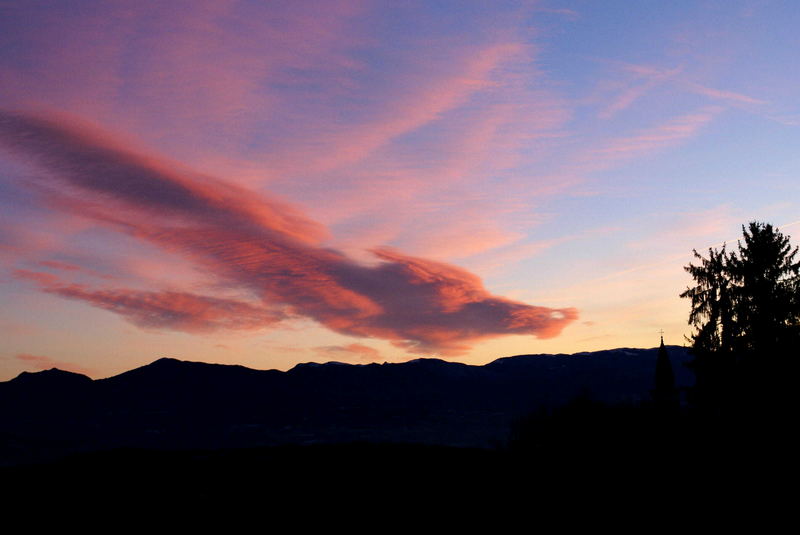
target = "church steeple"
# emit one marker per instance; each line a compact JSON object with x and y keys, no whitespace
{"x":665,"y":395}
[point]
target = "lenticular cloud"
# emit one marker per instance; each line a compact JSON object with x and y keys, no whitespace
{"x":264,"y":248}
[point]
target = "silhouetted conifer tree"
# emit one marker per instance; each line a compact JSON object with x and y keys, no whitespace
{"x":712,"y":316}
{"x":746,"y":312}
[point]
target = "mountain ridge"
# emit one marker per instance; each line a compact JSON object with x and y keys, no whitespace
{"x":312,"y":364}
{"x":171,"y":403}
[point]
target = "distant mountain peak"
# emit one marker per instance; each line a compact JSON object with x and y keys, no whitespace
{"x":314,"y":365}
{"x":166,"y":360}
{"x":53,"y":375}
{"x":424,"y":360}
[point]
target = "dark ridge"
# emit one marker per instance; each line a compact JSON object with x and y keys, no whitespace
{"x":174,"y":404}
{"x":51,"y":377}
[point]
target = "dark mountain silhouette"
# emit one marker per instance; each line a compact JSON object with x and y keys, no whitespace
{"x":173,"y":404}
{"x":52,"y":378}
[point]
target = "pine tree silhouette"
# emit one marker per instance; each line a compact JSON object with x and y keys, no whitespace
{"x":746,"y":312}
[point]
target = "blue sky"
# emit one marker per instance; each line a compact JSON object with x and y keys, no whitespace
{"x":267,"y":183}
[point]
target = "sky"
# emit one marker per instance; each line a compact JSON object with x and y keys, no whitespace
{"x":266,"y":183}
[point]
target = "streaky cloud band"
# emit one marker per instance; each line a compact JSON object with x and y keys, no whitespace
{"x":259,"y":245}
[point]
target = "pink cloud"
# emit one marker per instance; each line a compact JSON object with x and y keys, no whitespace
{"x":461,"y":238}
{"x":616,"y":151}
{"x":569,"y":13}
{"x":512,"y":254}
{"x":260,"y":246}
{"x":648,"y":77}
{"x":439,"y":205}
{"x":437,"y":84}
{"x":177,"y":311}
{"x":350,"y":351}
{"x":17,"y":328}
{"x":723,"y":95}
{"x":653,"y":77}
{"x":73,"y":268}
{"x":62,"y":266}
{"x":162,"y":69}
{"x":679,"y":228}
{"x":40,"y":362}
{"x":275,"y":92}
{"x":210,"y":77}
{"x":84,"y":156}
{"x":25,"y":235}
{"x":648,"y":141}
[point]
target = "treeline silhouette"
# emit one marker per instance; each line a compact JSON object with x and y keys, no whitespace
{"x":745,"y":311}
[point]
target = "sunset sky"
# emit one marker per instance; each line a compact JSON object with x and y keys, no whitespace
{"x":272,"y":182}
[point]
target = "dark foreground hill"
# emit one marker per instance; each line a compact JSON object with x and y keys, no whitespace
{"x":171,"y":404}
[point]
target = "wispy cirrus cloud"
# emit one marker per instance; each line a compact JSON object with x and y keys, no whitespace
{"x":260,"y":246}
{"x":647,"y":141}
{"x":164,"y":310}
{"x":638,"y":80}
{"x":645,"y":80}
{"x":423,"y":96}
{"x":192,"y":70}
{"x":498,"y":117}
{"x":719,"y":94}
{"x":62,"y":266}
{"x":569,"y":13}
{"x":330,"y":103}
